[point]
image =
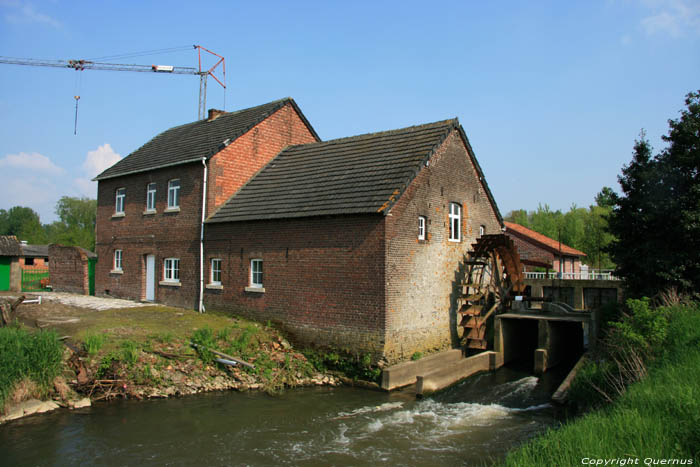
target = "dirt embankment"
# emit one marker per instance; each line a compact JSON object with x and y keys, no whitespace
{"x":117,"y":348}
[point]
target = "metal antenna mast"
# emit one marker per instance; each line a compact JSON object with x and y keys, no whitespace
{"x":81,"y":65}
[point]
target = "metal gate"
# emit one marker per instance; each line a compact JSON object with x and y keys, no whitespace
{"x":35,"y":279}
{"x":91,"y":275}
{"x":5,"y":262}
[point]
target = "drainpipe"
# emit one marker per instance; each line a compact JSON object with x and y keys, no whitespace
{"x":201,"y":238}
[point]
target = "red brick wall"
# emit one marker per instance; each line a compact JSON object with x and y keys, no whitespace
{"x":527,"y":250}
{"x":68,"y":269}
{"x":231,"y":168}
{"x":422,"y":275}
{"x":39,"y":263}
{"x":137,"y":234}
{"x":176,"y":234}
{"x":323,"y":277}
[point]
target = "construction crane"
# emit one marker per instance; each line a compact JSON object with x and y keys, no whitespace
{"x":81,"y":65}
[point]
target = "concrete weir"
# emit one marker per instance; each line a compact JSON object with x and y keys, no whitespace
{"x":547,"y":337}
{"x":437,"y":371}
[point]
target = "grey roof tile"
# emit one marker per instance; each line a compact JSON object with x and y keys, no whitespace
{"x":360,"y":174}
{"x":193,"y":141}
{"x":9,"y":246}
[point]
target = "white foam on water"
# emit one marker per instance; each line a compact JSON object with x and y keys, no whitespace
{"x":371,"y":409}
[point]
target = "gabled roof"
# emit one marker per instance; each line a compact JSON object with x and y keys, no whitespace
{"x":35,"y":251}
{"x":542,"y":240}
{"x":193,"y":141}
{"x":357,"y":175}
{"x":9,"y":246}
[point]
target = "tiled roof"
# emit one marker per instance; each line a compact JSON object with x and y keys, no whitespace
{"x":543,"y":240}
{"x":193,"y":141}
{"x":35,"y":251}
{"x":9,"y":246}
{"x":360,"y":174}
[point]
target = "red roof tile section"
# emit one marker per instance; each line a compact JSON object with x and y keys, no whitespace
{"x":543,"y":240}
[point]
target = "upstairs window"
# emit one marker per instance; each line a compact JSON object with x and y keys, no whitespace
{"x":119,"y":204}
{"x":482,"y":230}
{"x":421,"y":227}
{"x":151,"y":197}
{"x":256,"y":273}
{"x":215,"y":278}
{"x":117,"y":260}
{"x":455,"y":222}
{"x":174,"y":193}
{"x":171,"y":270}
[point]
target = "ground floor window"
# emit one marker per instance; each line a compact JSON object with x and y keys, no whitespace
{"x":215,"y":277}
{"x":256,"y":273}
{"x":171,"y":270}
{"x":117,"y":260}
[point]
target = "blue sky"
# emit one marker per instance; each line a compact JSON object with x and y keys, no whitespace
{"x":551,"y":94}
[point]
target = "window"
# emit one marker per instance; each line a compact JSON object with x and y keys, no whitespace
{"x":119,"y":206}
{"x":117,"y":260}
{"x":482,"y":230}
{"x":455,"y":222}
{"x":421,"y":227}
{"x":256,"y":273}
{"x":171,"y":270}
{"x":215,"y":278}
{"x":151,"y":197}
{"x":29,"y":261}
{"x":174,"y":194}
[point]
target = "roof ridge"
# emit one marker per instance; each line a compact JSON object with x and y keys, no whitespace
{"x":447,"y":122}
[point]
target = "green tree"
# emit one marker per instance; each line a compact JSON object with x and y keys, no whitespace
{"x":76,"y":224}
{"x":22,"y":222}
{"x":656,"y":220}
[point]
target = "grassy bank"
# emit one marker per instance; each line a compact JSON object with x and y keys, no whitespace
{"x":29,"y":363}
{"x":657,"y":417}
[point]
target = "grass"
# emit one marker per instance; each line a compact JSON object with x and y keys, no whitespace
{"x":658,"y":417}
{"x":28,"y":360}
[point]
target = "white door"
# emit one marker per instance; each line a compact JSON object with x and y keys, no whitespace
{"x":150,"y":277}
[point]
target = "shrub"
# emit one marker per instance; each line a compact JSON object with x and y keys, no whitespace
{"x":93,"y":342}
{"x":23,"y":354}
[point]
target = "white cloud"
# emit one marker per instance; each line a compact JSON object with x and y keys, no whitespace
{"x":672,"y":17}
{"x":24,"y":12}
{"x":100,"y":159}
{"x":31,"y":161}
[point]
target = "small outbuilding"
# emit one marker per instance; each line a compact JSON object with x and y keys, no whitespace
{"x":10,"y":272}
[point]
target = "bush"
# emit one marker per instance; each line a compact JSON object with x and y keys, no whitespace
{"x":23,"y":354}
{"x":355,"y":366}
{"x":93,"y":342}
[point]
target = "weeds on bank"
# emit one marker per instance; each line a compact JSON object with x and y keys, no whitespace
{"x":29,"y":361}
{"x":645,"y":386}
{"x":354,"y":366}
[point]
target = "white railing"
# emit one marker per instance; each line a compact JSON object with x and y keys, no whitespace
{"x":599,"y":275}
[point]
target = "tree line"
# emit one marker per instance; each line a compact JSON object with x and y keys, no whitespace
{"x":75,"y":225}
{"x":650,"y":232}
{"x":585,"y":229}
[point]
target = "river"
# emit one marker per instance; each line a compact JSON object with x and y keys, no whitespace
{"x":474,"y":422}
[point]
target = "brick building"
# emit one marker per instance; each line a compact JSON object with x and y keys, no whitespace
{"x":355,"y":243}
{"x":149,"y":204}
{"x":34,"y":257}
{"x":535,"y":248}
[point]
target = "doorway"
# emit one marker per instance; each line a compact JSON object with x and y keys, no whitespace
{"x":150,"y":278}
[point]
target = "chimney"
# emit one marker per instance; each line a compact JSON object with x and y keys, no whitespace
{"x":214,"y":114}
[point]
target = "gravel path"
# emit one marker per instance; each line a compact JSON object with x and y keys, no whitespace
{"x":86,"y":301}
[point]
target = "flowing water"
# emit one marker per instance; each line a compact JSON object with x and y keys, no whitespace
{"x":474,"y":422}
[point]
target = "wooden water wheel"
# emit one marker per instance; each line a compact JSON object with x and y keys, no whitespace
{"x":493,"y":275}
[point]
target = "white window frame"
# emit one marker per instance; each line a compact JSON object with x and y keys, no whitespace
{"x":119,"y":200}
{"x":174,"y":193}
{"x":256,"y":271}
{"x":455,"y":217}
{"x":213,"y":263}
{"x":151,"y":197}
{"x":482,"y":230}
{"x":171,"y":270}
{"x":118,"y":256}
{"x":422,"y":222}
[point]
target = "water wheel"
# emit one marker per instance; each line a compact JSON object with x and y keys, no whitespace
{"x":493,"y":275}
